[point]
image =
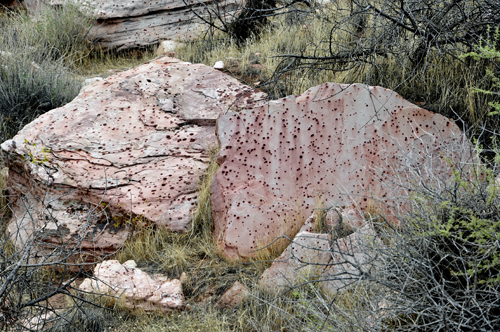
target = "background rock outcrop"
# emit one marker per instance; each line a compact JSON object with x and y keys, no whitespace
{"x":10,"y":4}
{"x":128,"y":23}
{"x":134,"y":143}
{"x":341,"y":143}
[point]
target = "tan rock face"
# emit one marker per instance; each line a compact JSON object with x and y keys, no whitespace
{"x":319,"y":257}
{"x":130,"y":23}
{"x":136,"y":142}
{"x":344,"y":143}
{"x":233,"y":296}
{"x":139,"y":290}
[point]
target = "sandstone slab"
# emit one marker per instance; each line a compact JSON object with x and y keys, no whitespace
{"x":344,"y":143}
{"x":137,"y":288}
{"x":233,"y":297}
{"x":135,"y":143}
{"x":129,"y":23}
{"x":335,"y":263}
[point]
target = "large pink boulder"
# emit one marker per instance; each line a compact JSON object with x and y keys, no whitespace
{"x":343,"y":143}
{"x":135,"y":143}
{"x":138,"y":289}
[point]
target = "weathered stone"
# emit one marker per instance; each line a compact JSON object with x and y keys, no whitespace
{"x":135,"y":143}
{"x":139,"y":290}
{"x":184,"y":278}
{"x":219,"y":65}
{"x":313,"y":256}
{"x":344,"y":143}
{"x":85,"y":231}
{"x":129,"y":23}
{"x":233,"y":296}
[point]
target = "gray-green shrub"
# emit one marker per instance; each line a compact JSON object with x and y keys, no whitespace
{"x":35,"y":60}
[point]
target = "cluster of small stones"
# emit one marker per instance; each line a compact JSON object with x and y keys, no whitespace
{"x":137,"y":141}
{"x":343,"y":143}
{"x":138,"y":289}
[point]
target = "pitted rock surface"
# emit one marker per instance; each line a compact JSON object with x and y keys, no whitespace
{"x":127,"y":24}
{"x":339,"y":142}
{"x":140,"y":290}
{"x":137,"y":141}
{"x":85,"y":232}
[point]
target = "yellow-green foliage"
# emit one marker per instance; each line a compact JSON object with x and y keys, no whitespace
{"x":470,"y":219}
{"x":488,"y":50}
{"x":105,"y":63}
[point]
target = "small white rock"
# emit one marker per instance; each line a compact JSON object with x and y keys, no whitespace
{"x":219,"y":65}
{"x":130,"y":264}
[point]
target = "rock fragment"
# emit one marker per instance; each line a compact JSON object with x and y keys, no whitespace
{"x":313,"y":256}
{"x":233,"y":297}
{"x":137,"y":288}
{"x":167,"y":47}
{"x":219,"y":65}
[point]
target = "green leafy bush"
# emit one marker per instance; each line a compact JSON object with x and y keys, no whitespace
{"x":442,"y":267}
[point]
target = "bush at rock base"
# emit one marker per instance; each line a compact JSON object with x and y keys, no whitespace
{"x":439,"y":271}
{"x":35,"y":56}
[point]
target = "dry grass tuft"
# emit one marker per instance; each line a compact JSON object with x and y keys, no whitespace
{"x":105,"y":63}
{"x":158,"y":250}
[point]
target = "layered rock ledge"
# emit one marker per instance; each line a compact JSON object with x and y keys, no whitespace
{"x":127,"y":24}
